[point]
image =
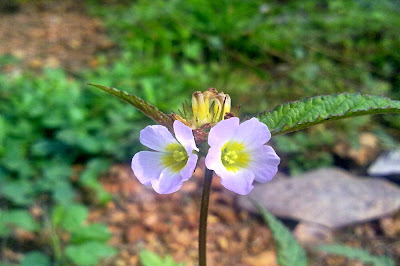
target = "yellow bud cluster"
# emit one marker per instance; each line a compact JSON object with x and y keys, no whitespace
{"x":209,"y":106}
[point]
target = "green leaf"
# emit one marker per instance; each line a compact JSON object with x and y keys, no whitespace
{"x":321,"y":109}
{"x":19,"y":192}
{"x":69,"y":217}
{"x":89,"y":253}
{"x":290,"y":253}
{"x":145,"y":107}
{"x":358,"y":254}
{"x":149,"y":258}
{"x":35,"y":258}
{"x":89,"y":178}
{"x":17,"y":218}
{"x":63,"y":192}
{"x":92,"y":232}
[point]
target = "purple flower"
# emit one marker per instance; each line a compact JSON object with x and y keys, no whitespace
{"x":171,"y":163}
{"x":238,"y":155}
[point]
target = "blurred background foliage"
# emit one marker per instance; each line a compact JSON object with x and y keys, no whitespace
{"x":54,"y":127}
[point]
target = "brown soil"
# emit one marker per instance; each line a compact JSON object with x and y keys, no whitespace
{"x":52,"y":34}
{"x":168,"y":225}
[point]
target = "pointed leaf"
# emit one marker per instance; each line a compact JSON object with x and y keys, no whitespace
{"x":143,"y":106}
{"x":290,"y":253}
{"x":358,"y":254}
{"x":321,"y":109}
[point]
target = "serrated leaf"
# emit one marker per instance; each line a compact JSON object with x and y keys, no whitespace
{"x":35,"y":258}
{"x":89,"y":253}
{"x":290,"y":253}
{"x":143,"y":106}
{"x":148,"y":258}
{"x":321,"y":109}
{"x":358,"y":254}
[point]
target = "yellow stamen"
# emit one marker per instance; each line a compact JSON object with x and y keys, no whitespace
{"x":234,"y":156}
{"x":175,"y":157}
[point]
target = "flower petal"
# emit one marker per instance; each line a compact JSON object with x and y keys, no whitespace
{"x":223,"y":131}
{"x":265,"y":163}
{"x":146,"y":165}
{"x":240,"y":181}
{"x":185,"y":136}
{"x":213,"y":159}
{"x":156,"y":137}
{"x":252,"y":133}
{"x":169,"y":182}
{"x":188,"y":170}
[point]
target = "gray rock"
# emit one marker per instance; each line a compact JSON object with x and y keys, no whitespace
{"x":386,"y":164}
{"x":310,"y":234}
{"x":330,"y":197}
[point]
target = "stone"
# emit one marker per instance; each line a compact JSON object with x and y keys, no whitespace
{"x":386,"y":164}
{"x":310,"y":234}
{"x":329,"y":197}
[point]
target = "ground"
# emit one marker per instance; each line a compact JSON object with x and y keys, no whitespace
{"x":168,"y":224}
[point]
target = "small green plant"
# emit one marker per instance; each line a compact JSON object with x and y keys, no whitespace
{"x":64,"y":221}
{"x":290,"y":253}
{"x":148,"y":258}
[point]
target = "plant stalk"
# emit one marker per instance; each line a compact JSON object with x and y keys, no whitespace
{"x":205,"y":199}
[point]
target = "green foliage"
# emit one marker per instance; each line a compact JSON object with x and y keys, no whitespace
{"x":95,"y":232}
{"x":35,"y":258}
{"x":84,"y":239}
{"x":290,"y":253}
{"x":321,"y":109}
{"x":301,"y":147}
{"x":261,"y":53}
{"x":16,"y":218}
{"x":89,"y":253}
{"x":358,"y":254}
{"x":148,"y":258}
{"x":69,"y":217}
{"x":20,"y":192}
{"x":254,"y":46}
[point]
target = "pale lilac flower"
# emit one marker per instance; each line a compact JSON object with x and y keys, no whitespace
{"x":172,"y":160}
{"x":238,"y":155}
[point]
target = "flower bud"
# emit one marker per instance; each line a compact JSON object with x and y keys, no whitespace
{"x":209,"y":106}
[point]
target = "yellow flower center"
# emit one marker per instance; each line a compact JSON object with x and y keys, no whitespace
{"x":175,"y":157}
{"x":234,"y":156}
{"x":179,"y":156}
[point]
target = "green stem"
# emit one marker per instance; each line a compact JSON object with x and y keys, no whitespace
{"x":55,"y":242}
{"x":208,"y":175}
